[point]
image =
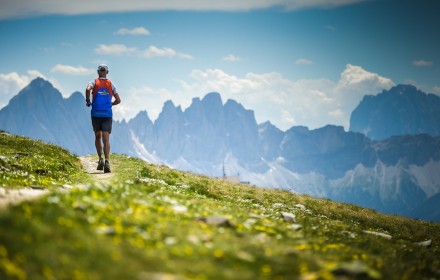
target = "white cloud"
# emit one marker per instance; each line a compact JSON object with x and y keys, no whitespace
{"x":284,"y":102}
{"x":115,"y":49}
{"x":303,"y":61}
{"x":154,"y":51}
{"x":422,"y":63}
{"x":72,"y":70}
{"x":336,"y":113}
{"x":436,"y":90}
{"x":357,"y":78}
{"x":231,"y":58}
{"x":287,"y":118}
{"x":354,"y":84}
{"x":302,"y":4}
{"x":30,"y":8}
{"x":12,"y":83}
{"x":134,"y":31}
{"x":150,"y":52}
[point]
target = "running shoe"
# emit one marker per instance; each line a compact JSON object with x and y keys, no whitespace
{"x":100,"y":164}
{"x":107,"y":167}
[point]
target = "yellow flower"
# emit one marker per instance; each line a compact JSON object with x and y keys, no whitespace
{"x":12,"y":270}
{"x":218,"y":253}
{"x":188,"y":250}
{"x":139,"y":242}
{"x":119,"y":229}
{"x":266,"y":269}
{"x":302,"y":246}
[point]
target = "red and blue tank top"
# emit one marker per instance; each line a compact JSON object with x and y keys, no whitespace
{"x":102,"y":95}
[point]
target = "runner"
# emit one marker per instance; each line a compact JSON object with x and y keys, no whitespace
{"x":102,"y":91}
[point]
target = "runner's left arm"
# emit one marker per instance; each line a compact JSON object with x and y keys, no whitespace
{"x":116,"y":95}
{"x":117,"y":99}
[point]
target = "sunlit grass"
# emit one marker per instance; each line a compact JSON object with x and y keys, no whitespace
{"x":152,"y":221}
{"x":35,"y":163}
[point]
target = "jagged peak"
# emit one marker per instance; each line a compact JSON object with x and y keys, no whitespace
{"x":169,"y":107}
{"x":332,"y":127}
{"x":213,"y":98}
{"x":403,"y":109}
{"x":39,"y":83}
{"x":265,"y":124}
{"x":196,"y":100}
{"x":76,"y":95}
{"x":39,"y":80}
{"x":397,"y":89}
{"x":404,"y":89}
{"x":169,"y":104}
{"x":38,"y":87}
{"x":231,"y":103}
{"x":299,"y":129}
{"x":141,"y":116}
{"x":268,"y":126}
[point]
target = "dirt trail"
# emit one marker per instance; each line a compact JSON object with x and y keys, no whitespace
{"x":9,"y":197}
{"x":15,"y":196}
{"x":89,"y":164}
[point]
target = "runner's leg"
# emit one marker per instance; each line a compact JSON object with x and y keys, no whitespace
{"x":106,"y":140}
{"x":98,"y":143}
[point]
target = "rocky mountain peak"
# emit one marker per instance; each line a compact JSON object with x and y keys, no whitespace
{"x":77,"y":96}
{"x":402,"y":89}
{"x":212,"y":99}
{"x":39,"y":90}
{"x":268,"y":126}
{"x":169,"y":106}
{"x":403,"y":109}
{"x":39,"y":83}
{"x":141,"y":119}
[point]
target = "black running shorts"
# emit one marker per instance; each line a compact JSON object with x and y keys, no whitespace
{"x":103,"y":124}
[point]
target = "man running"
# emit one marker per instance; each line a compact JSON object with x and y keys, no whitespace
{"x":103,"y":91}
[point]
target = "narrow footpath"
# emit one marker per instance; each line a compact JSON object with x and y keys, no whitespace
{"x":15,"y":196}
{"x":89,"y":164}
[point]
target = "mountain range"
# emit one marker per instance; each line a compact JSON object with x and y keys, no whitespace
{"x":389,"y":160}
{"x":401,"y":110}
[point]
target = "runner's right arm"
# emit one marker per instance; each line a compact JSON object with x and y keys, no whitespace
{"x":88,"y":91}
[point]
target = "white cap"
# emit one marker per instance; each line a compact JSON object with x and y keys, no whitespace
{"x":102,"y":67}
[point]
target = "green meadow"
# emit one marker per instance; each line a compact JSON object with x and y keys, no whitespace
{"x":151,"y":222}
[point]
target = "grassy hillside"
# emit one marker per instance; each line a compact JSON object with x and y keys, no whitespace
{"x":34,"y":163}
{"x":152,"y":222}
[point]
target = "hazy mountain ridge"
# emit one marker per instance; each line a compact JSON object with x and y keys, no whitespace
{"x":401,"y":110}
{"x":40,"y":112}
{"x":209,"y":137}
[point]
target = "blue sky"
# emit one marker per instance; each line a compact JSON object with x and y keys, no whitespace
{"x":293,"y":62}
